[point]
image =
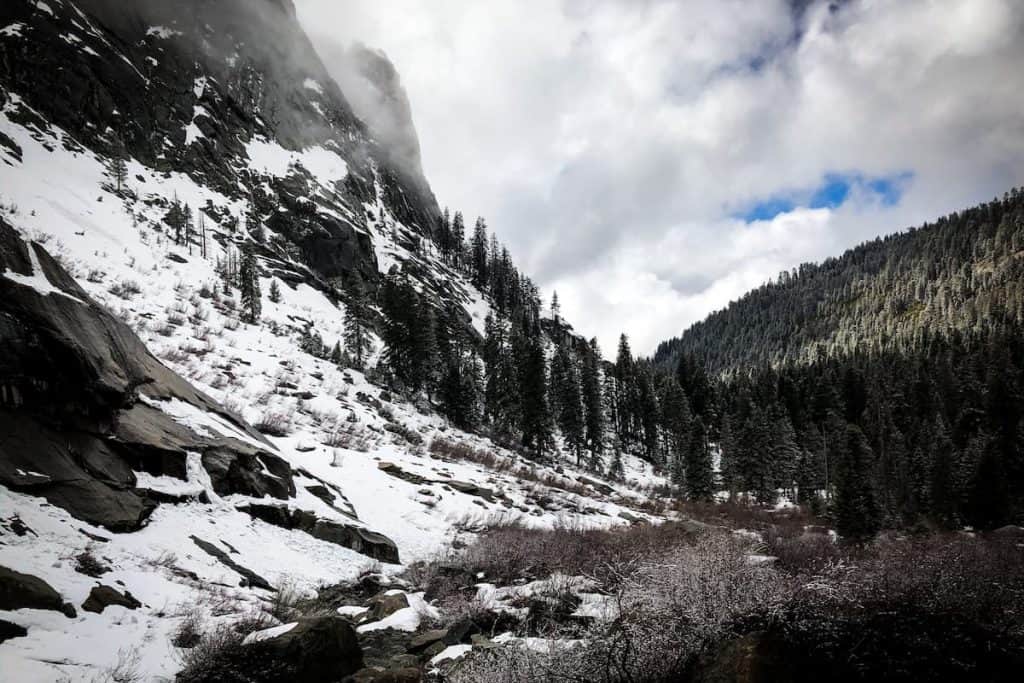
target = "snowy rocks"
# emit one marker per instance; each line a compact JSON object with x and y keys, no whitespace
{"x":422,"y":642}
{"x":357,"y":538}
{"x":24,"y":591}
{"x":385,"y":605}
{"x":102,"y":597}
{"x":322,"y":648}
{"x":10,"y":630}
{"x":250,"y":578}
{"x":79,"y":404}
{"x":248,"y":473}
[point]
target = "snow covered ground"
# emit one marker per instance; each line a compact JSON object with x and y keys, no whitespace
{"x":337,"y":426}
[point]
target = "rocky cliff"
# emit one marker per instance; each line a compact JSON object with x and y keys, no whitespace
{"x":212,"y":89}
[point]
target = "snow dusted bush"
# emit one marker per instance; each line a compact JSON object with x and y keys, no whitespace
{"x":125,"y":289}
{"x":671,"y":605}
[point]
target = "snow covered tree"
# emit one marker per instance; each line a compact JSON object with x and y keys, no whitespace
{"x":275,"y":292}
{"x":478,"y":255}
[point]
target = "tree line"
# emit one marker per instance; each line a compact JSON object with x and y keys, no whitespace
{"x":883,"y":387}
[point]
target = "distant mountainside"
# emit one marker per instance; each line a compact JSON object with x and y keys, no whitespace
{"x":964,"y":273}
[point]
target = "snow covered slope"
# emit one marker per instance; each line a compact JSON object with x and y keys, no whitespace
{"x":231,"y":114}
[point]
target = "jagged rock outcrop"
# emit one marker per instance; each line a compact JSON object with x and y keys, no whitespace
{"x":78,"y":397}
{"x":187,"y":86}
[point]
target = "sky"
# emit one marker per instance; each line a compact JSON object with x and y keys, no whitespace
{"x":652,"y":160}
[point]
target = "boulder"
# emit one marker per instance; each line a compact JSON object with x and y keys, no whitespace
{"x":102,"y":597}
{"x":422,"y":641}
{"x":10,"y":630}
{"x":385,"y":605}
{"x":322,"y":648}
{"x":255,"y":474}
{"x":24,"y":591}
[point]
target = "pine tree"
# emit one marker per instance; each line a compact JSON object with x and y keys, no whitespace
{"x":458,"y":391}
{"x":358,"y":321}
{"x":625,"y":391}
{"x":336,"y":355}
{"x":249,"y":285}
{"x":567,"y":400}
{"x":478,"y":255}
{"x":458,"y":240}
{"x":275,"y":292}
{"x":699,"y":479}
{"x":593,"y":399}
{"x":536,"y":419}
{"x":176,"y":219}
{"x":676,"y":422}
{"x":857,"y":510}
{"x":118,"y":170}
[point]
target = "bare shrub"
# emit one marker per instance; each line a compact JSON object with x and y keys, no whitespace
{"x":125,"y":289}
{"x":457,"y":450}
{"x":671,"y":604}
{"x":190,"y":631}
{"x":124,"y":670}
{"x":87,"y":563}
{"x":219,"y":654}
{"x":284,"y":605}
{"x":350,"y":436}
{"x":275,"y":423}
{"x":165,"y":560}
{"x":407,"y":434}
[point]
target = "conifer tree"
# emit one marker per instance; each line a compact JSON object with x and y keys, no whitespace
{"x":118,"y":170}
{"x":857,"y":510}
{"x":458,"y":240}
{"x":478,"y":255}
{"x":567,"y":400}
{"x":699,"y":479}
{"x":533,"y":396}
{"x":249,"y":286}
{"x":275,"y":292}
{"x":358,"y":321}
{"x":593,"y":399}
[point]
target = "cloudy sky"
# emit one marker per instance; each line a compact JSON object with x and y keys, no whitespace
{"x":652,"y":160}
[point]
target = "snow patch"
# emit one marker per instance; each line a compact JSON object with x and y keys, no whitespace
{"x":268,"y":633}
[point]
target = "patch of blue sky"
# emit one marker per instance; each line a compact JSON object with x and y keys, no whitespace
{"x":834,"y":190}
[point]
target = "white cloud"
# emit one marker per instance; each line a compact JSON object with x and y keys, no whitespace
{"x":608,"y":143}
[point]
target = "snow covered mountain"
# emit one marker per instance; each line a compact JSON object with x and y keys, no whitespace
{"x":159,"y":455}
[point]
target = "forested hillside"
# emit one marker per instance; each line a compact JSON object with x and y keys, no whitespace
{"x":884,"y":385}
{"x":891,"y":294}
